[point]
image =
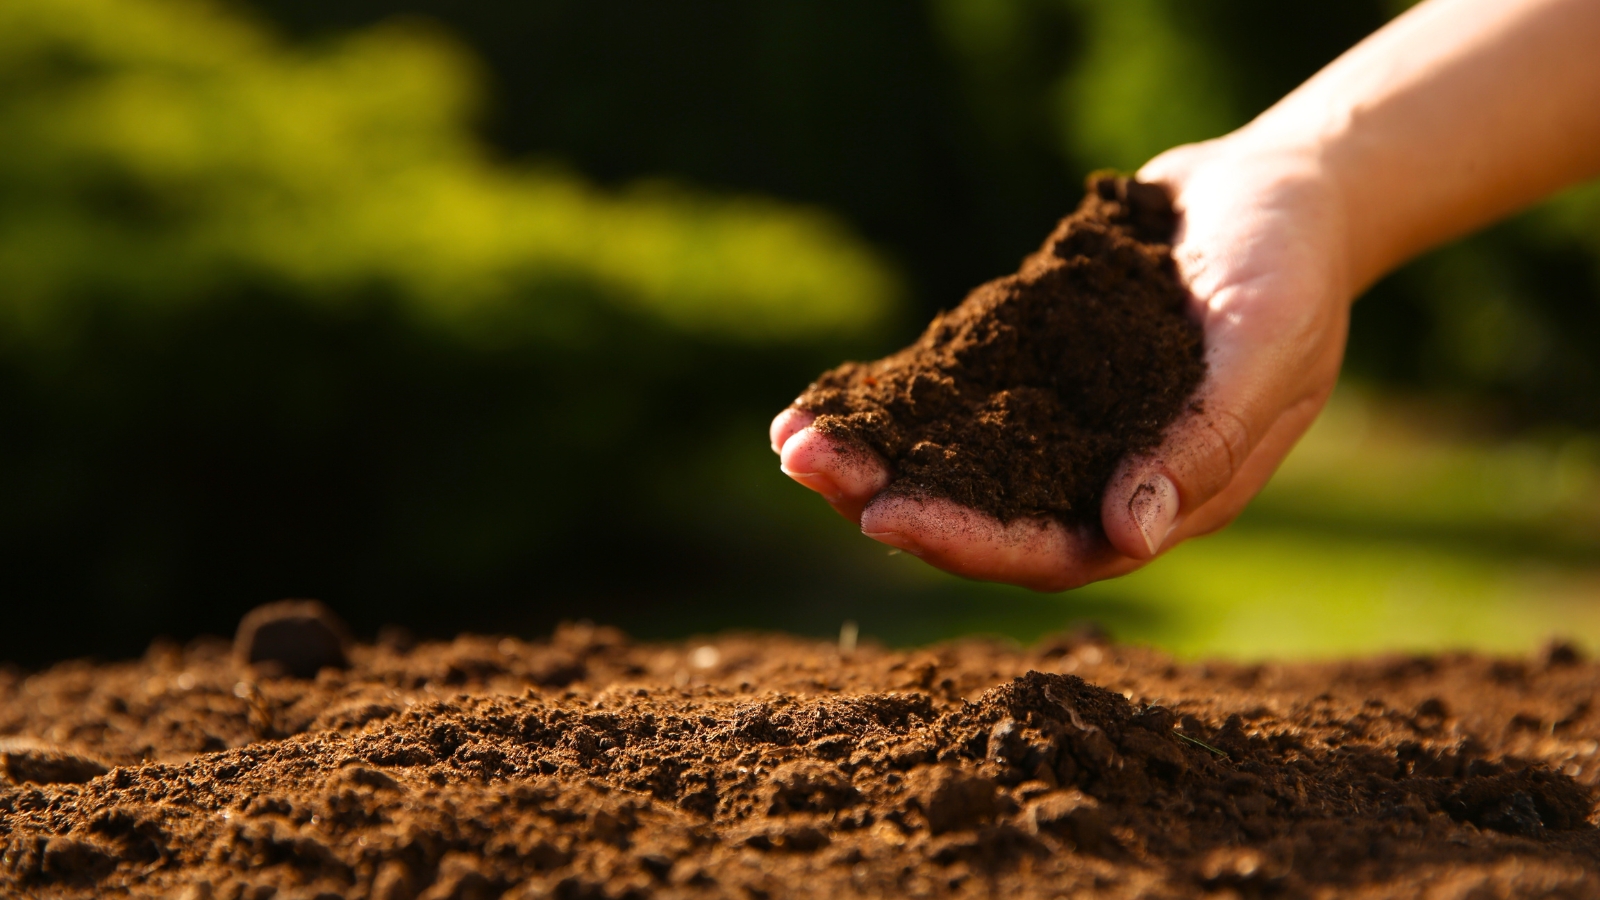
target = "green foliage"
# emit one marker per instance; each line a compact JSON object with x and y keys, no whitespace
{"x":473,"y":314}
{"x":1508,"y":317}
{"x":1142,"y":84}
{"x":275,"y":321}
{"x":167,"y":149}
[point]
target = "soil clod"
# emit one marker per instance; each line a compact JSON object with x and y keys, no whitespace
{"x":1021,"y":401}
{"x":23,"y":760}
{"x":297,"y":638}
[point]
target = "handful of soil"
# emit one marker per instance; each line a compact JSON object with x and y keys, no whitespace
{"x":1021,"y":401}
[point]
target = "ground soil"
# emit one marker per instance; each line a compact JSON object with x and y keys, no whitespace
{"x":1021,"y":400}
{"x":588,"y":766}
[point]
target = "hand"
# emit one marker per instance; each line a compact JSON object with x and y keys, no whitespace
{"x":1262,"y":246}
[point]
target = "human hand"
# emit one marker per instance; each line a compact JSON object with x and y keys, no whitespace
{"x":1262,"y":246}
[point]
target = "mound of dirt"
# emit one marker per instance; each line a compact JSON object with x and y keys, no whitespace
{"x":1021,"y":401}
{"x":587,"y":766}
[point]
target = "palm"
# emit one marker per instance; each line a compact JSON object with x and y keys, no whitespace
{"x":1256,"y":247}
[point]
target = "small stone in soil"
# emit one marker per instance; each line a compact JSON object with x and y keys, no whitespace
{"x":24,"y":760}
{"x":296,"y":638}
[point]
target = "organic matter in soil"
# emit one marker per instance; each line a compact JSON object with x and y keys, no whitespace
{"x":591,"y":766}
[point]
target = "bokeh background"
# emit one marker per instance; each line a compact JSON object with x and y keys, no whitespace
{"x":472,"y":314}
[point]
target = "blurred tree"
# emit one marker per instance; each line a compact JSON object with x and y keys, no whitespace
{"x":273,"y":323}
{"x":199,"y":152}
{"x":281,"y":316}
{"x":855,"y":107}
{"x":952,"y":132}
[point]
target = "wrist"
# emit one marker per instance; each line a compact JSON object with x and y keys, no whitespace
{"x":1336,"y":151}
{"x":1257,"y":181}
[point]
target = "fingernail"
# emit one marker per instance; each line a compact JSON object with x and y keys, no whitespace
{"x":818,"y":482}
{"x":897,"y":540}
{"x":1154,"y":506}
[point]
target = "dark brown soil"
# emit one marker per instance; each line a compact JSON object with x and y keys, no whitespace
{"x":587,"y":766}
{"x":1021,"y":401}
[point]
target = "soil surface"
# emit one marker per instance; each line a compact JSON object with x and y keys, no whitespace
{"x":1021,"y":401}
{"x":588,"y":766}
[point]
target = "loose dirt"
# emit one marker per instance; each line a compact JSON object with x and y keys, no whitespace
{"x":588,"y":766}
{"x":1021,"y":401}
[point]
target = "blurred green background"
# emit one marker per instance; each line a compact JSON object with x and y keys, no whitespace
{"x":472,"y":314}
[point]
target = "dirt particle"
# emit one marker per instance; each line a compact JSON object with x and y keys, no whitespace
{"x":807,"y":786}
{"x":1241,"y":867}
{"x":461,"y":877}
{"x":1071,"y":813}
{"x":68,"y":858}
{"x":1562,"y":653}
{"x":361,"y":776}
{"x":393,"y":882}
{"x":951,"y":798}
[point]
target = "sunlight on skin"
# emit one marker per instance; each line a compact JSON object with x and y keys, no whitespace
{"x":1414,"y":136}
{"x":1035,"y":553}
{"x":847,"y":477}
{"x":1258,"y":246}
{"x":1253,"y":246}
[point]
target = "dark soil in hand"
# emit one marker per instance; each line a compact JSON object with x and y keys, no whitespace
{"x":1021,"y":401}
{"x":769,"y":767}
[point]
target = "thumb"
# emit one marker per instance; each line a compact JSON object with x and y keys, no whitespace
{"x":1207,"y":452}
{"x":1150,"y":494}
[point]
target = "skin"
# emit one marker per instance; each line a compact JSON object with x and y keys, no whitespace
{"x":1455,"y":114}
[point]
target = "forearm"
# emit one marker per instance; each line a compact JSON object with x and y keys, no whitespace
{"x":1455,"y":114}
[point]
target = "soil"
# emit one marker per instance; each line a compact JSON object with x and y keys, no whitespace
{"x":589,"y":766}
{"x":1021,"y":401}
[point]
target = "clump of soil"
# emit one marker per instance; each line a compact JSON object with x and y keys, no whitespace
{"x":1021,"y":401}
{"x":587,"y":766}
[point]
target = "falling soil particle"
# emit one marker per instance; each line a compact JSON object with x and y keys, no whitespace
{"x":587,"y":766}
{"x":1021,"y":401}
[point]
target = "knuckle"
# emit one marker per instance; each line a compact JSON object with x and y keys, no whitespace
{"x":1228,"y":440}
{"x":1213,"y":524}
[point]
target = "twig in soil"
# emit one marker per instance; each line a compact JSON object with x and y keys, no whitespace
{"x":1199,"y":743}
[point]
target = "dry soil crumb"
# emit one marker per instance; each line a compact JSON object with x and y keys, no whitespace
{"x":1021,"y":401}
{"x":587,"y":766}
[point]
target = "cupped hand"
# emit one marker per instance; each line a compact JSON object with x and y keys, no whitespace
{"x":1262,"y":247}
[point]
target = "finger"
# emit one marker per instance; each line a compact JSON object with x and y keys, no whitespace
{"x":1213,"y":447}
{"x":846,"y":475}
{"x":1254,"y":474}
{"x":785,"y":424}
{"x":1274,"y":324}
{"x":1041,"y":554}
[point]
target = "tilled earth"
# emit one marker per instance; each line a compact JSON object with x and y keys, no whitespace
{"x":588,"y":766}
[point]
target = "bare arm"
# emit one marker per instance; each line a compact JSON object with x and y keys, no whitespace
{"x":1453,"y":115}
